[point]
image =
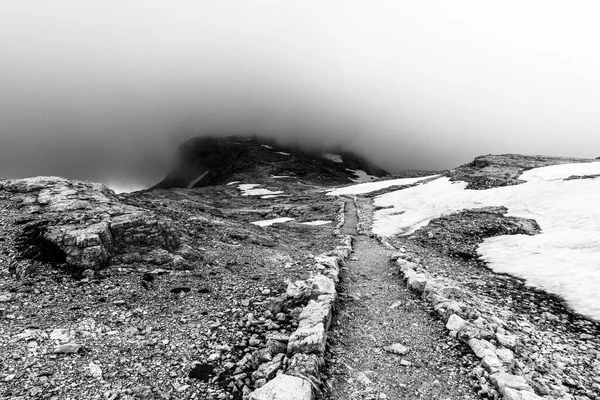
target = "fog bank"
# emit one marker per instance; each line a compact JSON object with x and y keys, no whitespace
{"x":106,"y":90}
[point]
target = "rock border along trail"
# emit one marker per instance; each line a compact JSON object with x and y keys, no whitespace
{"x":384,"y":342}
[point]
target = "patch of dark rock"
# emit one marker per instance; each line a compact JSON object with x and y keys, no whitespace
{"x":204,"y":290}
{"x":576,"y":177}
{"x":182,"y":289}
{"x":147,"y":277}
{"x":33,"y":245}
{"x":203,"y":372}
{"x":460,"y":233}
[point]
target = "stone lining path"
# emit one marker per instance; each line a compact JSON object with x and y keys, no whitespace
{"x":375,"y":311}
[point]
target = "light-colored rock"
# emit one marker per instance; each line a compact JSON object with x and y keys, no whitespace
{"x":363,"y":379}
{"x":60,"y":335}
{"x":509,"y":341}
{"x":68,"y":348}
{"x":455,"y":323}
{"x":491,"y":363}
{"x":396,"y":348}
{"x":316,"y":312}
{"x":95,"y":370}
{"x":505,"y":355}
{"x":308,"y":339}
{"x":481,"y":348}
{"x":90,"y":224}
{"x":503,"y":380}
{"x":417,"y":282}
{"x":514,"y":394}
{"x":284,"y":387}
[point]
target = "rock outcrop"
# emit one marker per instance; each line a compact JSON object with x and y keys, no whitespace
{"x":86,"y":225}
{"x":490,"y":171}
{"x":206,"y":161}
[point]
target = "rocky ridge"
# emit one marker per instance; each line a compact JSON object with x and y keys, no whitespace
{"x":86,"y":225}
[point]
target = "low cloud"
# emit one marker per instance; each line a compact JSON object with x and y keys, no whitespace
{"x":107,"y":91}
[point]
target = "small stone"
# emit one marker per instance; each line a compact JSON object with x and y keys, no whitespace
{"x":69,"y":348}
{"x":396,"y":348}
{"x":405,"y":363}
{"x":509,"y":341}
{"x":455,"y":323}
{"x":491,"y":363}
{"x":394,"y":305}
{"x":95,"y":370}
{"x":5,"y":298}
{"x":89,"y":273}
{"x":363,"y":379}
{"x":254,"y":341}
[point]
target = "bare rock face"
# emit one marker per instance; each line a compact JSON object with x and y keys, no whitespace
{"x":87,"y":226}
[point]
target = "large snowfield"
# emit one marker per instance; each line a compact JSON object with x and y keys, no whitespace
{"x":563,"y":259}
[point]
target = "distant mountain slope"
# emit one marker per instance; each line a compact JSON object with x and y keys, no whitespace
{"x":490,"y":171}
{"x":206,"y":161}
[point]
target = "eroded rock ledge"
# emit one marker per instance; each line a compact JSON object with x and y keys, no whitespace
{"x":86,"y":225}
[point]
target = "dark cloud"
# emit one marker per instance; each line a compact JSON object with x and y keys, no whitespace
{"x":107,"y":90}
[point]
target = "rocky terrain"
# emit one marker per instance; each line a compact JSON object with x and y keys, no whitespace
{"x":239,"y":277}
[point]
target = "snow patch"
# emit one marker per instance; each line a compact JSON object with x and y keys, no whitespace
{"x":333,"y":157}
{"x":248,"y":189}
{"x":563,"y":171}
{"x":562,"y":259}
{"x":374,"y":186}
{"x":280,"y":176}
{"x":233,"y":183}
{"x":361,"y":176}
{"x":283,"y":153}
{"x":198,"y":179}
{"x":266,"y":146}
{"x":269,"y":222}
{"x":317,"y":222}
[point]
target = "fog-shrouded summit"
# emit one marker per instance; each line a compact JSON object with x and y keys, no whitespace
{"x":211,"y":160}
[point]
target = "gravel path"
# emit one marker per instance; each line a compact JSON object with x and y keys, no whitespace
{"x":375,"y":311}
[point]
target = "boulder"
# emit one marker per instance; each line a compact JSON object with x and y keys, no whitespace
{"x":284,"y":387}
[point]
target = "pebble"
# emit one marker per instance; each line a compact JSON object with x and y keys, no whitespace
{"x":396,"y":348}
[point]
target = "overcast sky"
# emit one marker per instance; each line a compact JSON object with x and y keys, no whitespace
{"x":105,"y":90}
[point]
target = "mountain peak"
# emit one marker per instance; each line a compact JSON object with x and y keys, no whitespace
{"x":206,"y":161}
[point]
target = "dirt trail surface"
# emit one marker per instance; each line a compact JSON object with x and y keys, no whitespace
{"x":377,"y":311}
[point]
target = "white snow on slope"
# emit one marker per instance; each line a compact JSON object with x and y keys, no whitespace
{"x":333,"y":157}
{"x":280,"y":176}
{"x":563,"y":259}
{"x":269,"y":222}
{"x":266,"y":146}
{"x":233,"y":183}
{"x":361,"y":176}
{"x":317,"y":222}
{"x":248,"y":189}
{"x":561,"y":171}
{"x":192,"y":183}
{"x":373,"y":186}
{"x":282,"y":153}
